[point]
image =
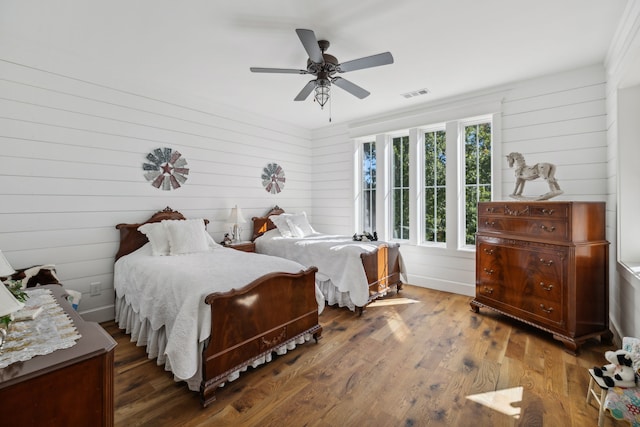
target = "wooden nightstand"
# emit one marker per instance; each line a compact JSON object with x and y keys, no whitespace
{"x":71,"y":386}
{"x":243,"y":246}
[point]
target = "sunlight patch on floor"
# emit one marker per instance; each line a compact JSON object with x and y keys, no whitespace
{"x":391,"y":301}
{"x":501,"y":400}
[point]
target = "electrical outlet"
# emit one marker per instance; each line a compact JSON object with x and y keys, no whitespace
{"x":95,"y":289}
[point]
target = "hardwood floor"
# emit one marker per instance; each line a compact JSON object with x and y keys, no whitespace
{"x":414,"y":359}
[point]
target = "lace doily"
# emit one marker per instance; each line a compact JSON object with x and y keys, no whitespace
{"x":51,"y":330}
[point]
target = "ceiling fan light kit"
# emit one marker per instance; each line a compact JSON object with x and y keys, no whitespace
{"x":325,"y":66}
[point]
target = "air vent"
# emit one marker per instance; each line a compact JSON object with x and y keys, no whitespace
{"x":415,"y":93}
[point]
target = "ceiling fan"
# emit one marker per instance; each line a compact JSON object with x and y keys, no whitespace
{"x":325,"y":66}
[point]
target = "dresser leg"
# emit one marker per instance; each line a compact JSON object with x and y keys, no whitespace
{"x":607,"y":338}
{"x":474,"y":307}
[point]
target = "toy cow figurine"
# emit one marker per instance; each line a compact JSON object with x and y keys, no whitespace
{"x":36,"y":275}
{"x":619,"y":373}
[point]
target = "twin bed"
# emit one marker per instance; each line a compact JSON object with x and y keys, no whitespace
{"x":208,"y":312}
{"x":208,"y":315}
{"x":351,"y":273}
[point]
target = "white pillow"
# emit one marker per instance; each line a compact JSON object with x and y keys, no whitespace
{"x":299,"y":225}
{"x":186,"y":236}
{"x":157,"y":235}
{"x":280,"y":222}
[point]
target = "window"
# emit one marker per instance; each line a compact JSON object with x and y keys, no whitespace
{"x":422,"y":185}
{"x":477,"y":173}
{"x":435,"y":203}
{"x":400,"y":187}
{"x":369,"y":186}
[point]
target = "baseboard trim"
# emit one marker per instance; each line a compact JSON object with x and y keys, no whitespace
{"x":442,"y":285}
{"x":100,"y":314}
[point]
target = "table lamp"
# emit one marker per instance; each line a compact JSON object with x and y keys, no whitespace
{"x":8,"y":303}
{"x":236,"y":218}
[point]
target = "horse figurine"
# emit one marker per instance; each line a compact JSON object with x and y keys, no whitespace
{"x":528,"y":173}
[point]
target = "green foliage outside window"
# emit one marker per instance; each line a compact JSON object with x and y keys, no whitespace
{"x":435,"y":173}
{"x":400,"y":187}
{"x":477,"y":154}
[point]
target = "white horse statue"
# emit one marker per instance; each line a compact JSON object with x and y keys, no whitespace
{"x":525,"y":173}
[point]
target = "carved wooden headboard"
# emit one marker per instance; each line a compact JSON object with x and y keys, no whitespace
{"x":262,"y":224}
{"x":131,"y":239}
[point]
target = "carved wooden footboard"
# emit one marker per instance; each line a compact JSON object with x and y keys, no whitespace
{"x":253,"y":321}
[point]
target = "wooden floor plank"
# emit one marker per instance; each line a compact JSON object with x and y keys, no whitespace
{"x":418,"y":358}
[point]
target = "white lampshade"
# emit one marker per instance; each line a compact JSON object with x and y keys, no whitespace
{"x":8,"y":303}
{"x":5,"y":267}
{"x":236,"y":216}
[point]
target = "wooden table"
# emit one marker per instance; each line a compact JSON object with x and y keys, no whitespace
{"x":69,"y":387}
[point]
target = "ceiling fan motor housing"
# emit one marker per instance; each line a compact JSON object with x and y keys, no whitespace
{"x":330,"y":65}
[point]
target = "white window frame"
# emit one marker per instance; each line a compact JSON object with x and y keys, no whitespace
{"x":496,"y":177}
{"x":420,"y":184}
{"x":455,"y":178}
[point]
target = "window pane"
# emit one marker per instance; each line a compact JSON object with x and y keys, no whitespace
{"x":477,"y":174}
{"x":405,"y":213}
{"x":435,"y":172}
{"x":441,"y":215}
{"x":405,"y":161}
{"x":471,"y":217}
{"x":400,"y":187}
{"x":397,"y":213}
{"x":429,"y":215}
{"x":369,"y":186}
{"x":429,"y":153}
{"x":484,"y":153}
{"x":441,"y":158}
{"x":471,"y":161}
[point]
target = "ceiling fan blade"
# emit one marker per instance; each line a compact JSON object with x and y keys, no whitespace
{"x":306,"y":90}
{"x":366,"y":62}
{"x":352,"y":88}
{"x":278,"y":70}
{"x":310,"y":43}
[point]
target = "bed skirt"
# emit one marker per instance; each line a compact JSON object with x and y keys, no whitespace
{"x":155,"y":342}
{"x":333,"y":295}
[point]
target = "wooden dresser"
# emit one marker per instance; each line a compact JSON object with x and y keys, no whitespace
{"x":546,"y":264}
{"x":69,"y":387}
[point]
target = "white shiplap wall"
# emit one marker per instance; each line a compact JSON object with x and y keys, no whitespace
{"x":559,"y":118}
{"x":72,"y":154}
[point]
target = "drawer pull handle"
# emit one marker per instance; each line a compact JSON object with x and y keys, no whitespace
{"x":549,"y":229}
{"x":545,"y":262}
{"x":489,"y":224}
{"x":488,"y":290}
{"x":547,"y":211}
{"x":488,"y":251}
{"x":545,"y":309}
{"x":546,"y":287}
{"x":488,"y":271}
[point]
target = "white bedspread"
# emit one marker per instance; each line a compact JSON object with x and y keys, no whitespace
{"x":337,"y":258}
{"x":169,"y":291}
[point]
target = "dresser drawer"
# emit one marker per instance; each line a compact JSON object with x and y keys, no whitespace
{"x":543,"y":311}
{"x":556,"y":230}
{"x":528,"y":210}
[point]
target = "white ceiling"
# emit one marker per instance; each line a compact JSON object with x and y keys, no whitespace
{"x":204,"y":48}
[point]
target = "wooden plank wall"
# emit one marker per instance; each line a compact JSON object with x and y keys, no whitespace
{"x":72,"y":154}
